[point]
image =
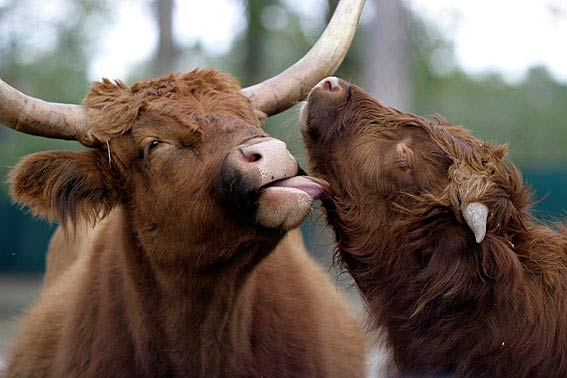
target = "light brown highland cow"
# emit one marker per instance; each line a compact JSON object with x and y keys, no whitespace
{"x":191,"y":272}
{"x":195,"y":267}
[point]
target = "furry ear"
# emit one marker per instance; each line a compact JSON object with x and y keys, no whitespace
{"x":405,"y":156}
{"x":65,"y":186}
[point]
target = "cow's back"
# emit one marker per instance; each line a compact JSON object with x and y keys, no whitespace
{"x":41,"y":329}
{"x":66,"y":244}
{"x":300,"y":324}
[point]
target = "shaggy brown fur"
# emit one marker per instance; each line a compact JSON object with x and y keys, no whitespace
{"x":171,"y":282}
{"x":449,"y":306}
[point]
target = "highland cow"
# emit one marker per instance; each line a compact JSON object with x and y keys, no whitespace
{"x":434,"y":226}
{"x":178,"y":254}
{"x":190,"y":272}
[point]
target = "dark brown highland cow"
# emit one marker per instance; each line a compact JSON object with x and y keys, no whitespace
{"x":193,"y":268}
{"x":433,"y":225}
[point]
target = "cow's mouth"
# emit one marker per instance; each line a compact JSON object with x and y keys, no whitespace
{"x":316,"y":188}
{"x":262,"y":180}
{"x":284,"y":203}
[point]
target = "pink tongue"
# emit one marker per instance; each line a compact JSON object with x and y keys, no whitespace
{"x":302,"y":183}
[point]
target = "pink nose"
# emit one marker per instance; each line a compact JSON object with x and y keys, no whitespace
{"x":269,"y":159}
{"x":250,"y":155}
{"x":255,"y":152}
{"x":330,"y":84}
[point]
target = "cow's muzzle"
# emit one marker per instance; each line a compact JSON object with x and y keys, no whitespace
{"x":264,"y":160}
{"x":263,"y":180}
{"x":320,"y":115}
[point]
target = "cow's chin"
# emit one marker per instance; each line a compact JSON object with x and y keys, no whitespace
{"x":282,"y":208}
{"x":285,"y":203}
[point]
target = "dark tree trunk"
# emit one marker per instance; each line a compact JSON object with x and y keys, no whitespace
{"x":387,"y":56}
{"x":167,"y":52}
{"x":254,"y":38}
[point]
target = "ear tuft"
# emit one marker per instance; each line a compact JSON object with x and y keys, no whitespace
{"x":115,"y":110}
{"x":65,"y":186}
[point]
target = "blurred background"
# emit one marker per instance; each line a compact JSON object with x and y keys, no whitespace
{"x":497,"y":67}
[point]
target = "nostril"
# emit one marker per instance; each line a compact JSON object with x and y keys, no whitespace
{"x":330,"y":84}
{"x":254,"y":157}
{"x":250,"y":156}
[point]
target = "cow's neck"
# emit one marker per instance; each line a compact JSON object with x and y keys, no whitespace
{"x":416,"y":283}
{"x":203,"y":318}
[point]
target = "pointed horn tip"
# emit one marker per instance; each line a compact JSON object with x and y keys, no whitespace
{"x":480,"y":238}
{"x":476,"y":217}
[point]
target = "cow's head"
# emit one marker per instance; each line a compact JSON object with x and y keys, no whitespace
{"x":396,"y":175}
{"x":183,"y":155}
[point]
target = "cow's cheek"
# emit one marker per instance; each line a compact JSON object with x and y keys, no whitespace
{"x":283,"y":208}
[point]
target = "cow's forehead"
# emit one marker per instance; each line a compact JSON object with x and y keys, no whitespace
{"x":116,"y":107}
{"x":455,"y":141}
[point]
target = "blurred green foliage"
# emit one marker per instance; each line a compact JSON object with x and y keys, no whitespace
{"x":46,"y":57}
{"x":530,"y":115}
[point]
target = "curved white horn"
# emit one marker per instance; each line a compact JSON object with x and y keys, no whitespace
{"x":37,"y":117}
{"x":282,"y":91}
{"x":476,"y":216}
